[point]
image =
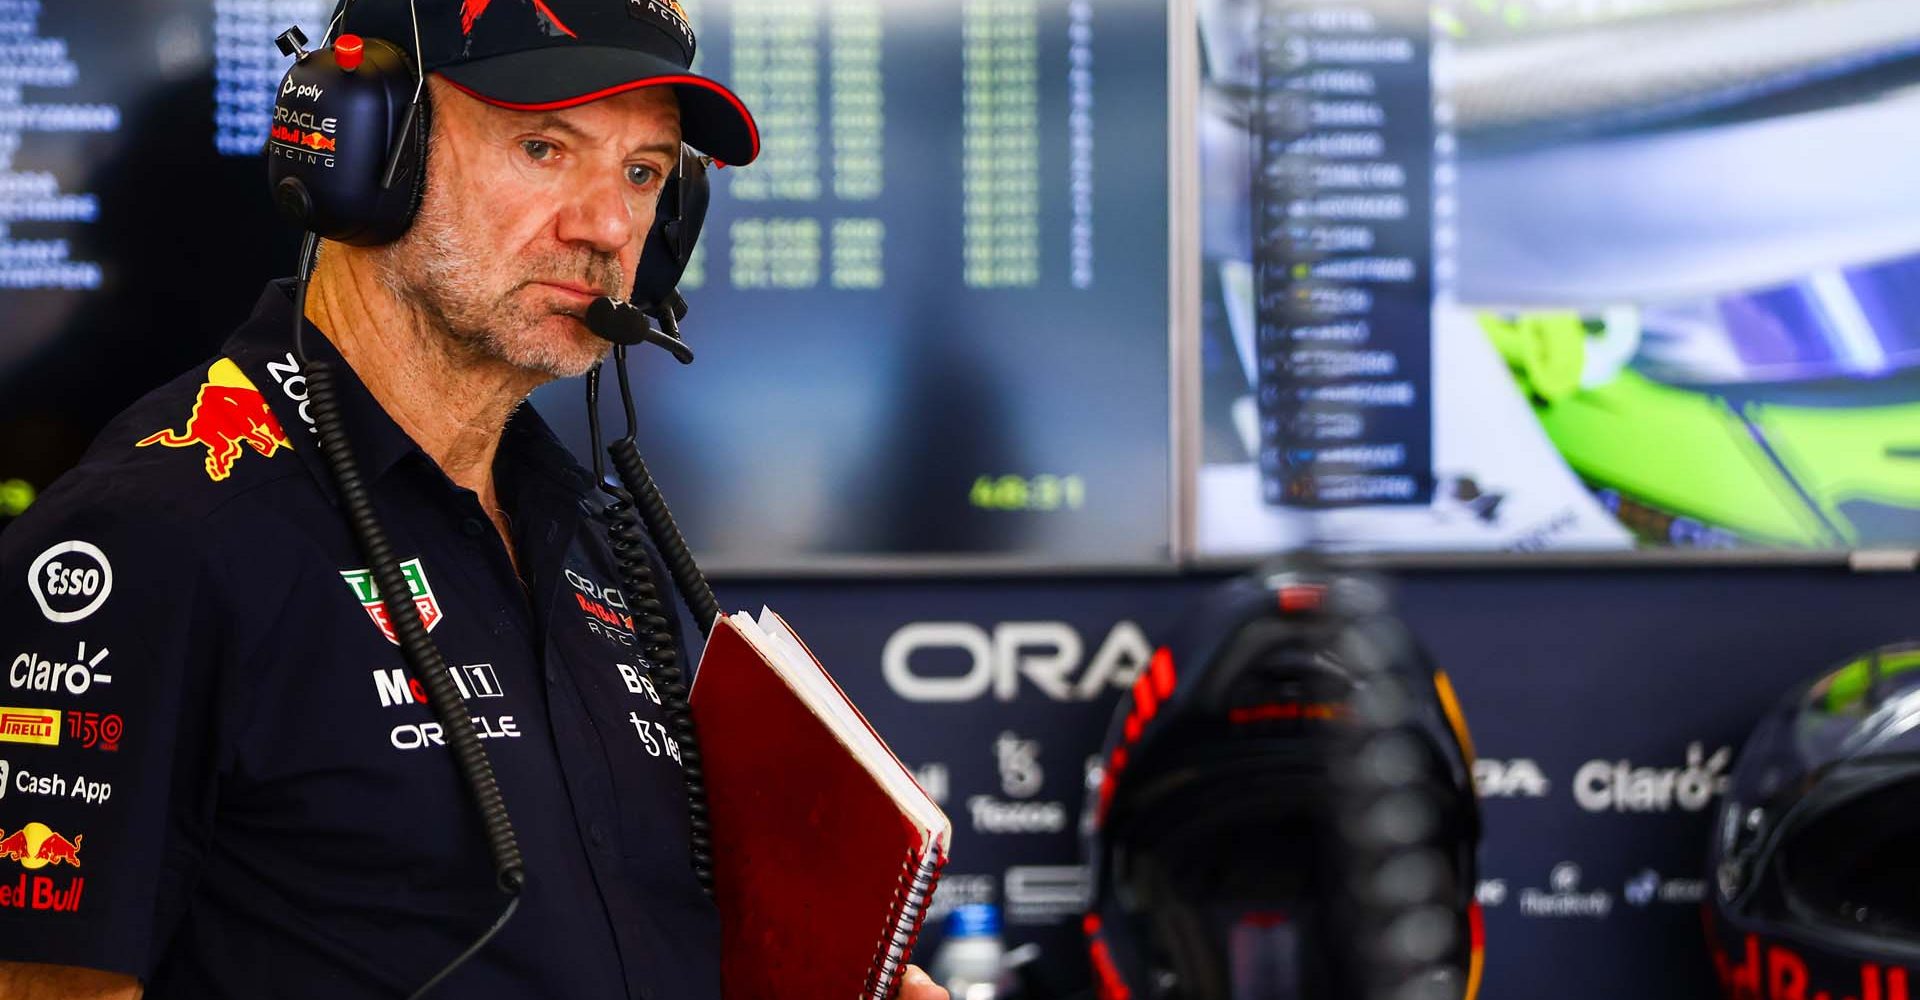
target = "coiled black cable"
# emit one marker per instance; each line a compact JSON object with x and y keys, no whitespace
{"x":655,"y":624}
{"x":421,"y":655}
{"x":654,"y":513}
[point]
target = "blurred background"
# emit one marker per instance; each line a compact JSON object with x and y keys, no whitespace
{"x":1597,"y":321}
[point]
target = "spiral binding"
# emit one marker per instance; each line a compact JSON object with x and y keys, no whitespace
{"x":918,"y":878}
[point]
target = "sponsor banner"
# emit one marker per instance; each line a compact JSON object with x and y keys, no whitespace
{"x":1552,"y":673}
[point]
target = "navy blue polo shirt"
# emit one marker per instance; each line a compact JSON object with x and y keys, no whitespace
{"x":217,"y":775}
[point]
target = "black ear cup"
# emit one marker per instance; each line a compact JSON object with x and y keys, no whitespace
{"x":336,"y":119}
{"x":676,"y":229}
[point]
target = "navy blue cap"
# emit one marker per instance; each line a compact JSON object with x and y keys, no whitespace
{"x":543,"y":55}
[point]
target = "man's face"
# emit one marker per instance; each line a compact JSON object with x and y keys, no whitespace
{"x":529,"y":216}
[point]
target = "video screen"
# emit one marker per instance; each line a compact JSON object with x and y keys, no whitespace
{"x":1531,"y":275}
{"x":931,"y":322}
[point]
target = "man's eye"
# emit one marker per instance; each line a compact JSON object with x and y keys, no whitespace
{"x":641,"y":175}
{"x":536,"y":149}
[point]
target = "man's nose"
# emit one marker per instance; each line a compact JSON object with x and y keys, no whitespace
{"x":599,"y":213}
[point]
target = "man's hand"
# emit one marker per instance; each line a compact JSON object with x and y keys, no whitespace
{"x":30,"y":981}
{"x":917,"y":985}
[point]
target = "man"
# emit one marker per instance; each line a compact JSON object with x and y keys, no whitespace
{"x":216,"y":780}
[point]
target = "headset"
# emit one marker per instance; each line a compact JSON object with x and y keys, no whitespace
{"x":346,"y":161}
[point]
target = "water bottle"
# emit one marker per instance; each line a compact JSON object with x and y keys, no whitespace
{"x":968,"y":962}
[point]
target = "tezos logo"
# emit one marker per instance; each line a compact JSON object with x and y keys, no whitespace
{"x":1019,"y":762}
{"x":991,"y":815}
{"x":1518,"y":778}
{"x":1047,"y":654}
{"x":33,"y":672}
{"x":1602,"y":785}
{"x":70,"y":581}
{"x":306,"y":91}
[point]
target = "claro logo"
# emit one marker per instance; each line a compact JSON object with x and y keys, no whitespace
{"x":1619,"y":786}
{"x":919,"y":659}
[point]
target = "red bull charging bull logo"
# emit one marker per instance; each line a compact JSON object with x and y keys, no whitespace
{"x":228,"y":416}
{"x":36,"y":846}
{"x":316,"y":141}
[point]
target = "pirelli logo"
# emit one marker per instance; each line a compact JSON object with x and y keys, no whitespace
{"x":30,"y":725}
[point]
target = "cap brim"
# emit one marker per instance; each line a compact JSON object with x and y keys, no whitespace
{"x":712,"y":119}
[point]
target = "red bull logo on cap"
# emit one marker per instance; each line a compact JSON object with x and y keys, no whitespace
{"x":228,"y":416}
{"x":37,"y":846}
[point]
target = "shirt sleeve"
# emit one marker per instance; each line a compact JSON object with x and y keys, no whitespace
{"x":101,"y":785}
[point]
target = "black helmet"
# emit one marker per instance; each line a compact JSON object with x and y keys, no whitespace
{"x":1816,"y":857}
{"x":1216,"y":833}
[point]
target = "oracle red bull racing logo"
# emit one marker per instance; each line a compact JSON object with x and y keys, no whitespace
{"x":37,"y":846}
{"x":315,"y":141}
{"x":229,"y":416}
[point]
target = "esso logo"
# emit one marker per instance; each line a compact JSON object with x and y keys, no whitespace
{"x":70,"y":581}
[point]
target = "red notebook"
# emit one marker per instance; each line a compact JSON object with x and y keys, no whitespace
{"x":826,"y":850}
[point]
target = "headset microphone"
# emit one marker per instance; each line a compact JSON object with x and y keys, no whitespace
{"x":623,"y":323}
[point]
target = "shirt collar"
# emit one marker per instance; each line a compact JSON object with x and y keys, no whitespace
{"x":263,"y":348}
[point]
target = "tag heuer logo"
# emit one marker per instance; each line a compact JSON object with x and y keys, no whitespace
{"x":361,"y":580}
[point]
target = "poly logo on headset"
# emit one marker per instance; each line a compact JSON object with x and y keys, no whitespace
{"x":307,"y":91}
